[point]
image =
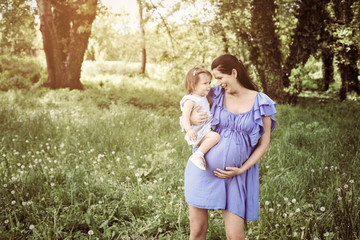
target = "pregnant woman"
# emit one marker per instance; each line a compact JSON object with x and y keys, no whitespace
{"x":244,"y":118}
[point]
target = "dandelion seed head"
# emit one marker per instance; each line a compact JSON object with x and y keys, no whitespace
{"x":293,"y":201}
{"x":31,"y":227}
{"x":267,"y":203}
{"x":91,"y":232}
{"x":322,"y":209}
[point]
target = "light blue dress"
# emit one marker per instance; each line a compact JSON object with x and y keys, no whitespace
{"x":240,"y":133}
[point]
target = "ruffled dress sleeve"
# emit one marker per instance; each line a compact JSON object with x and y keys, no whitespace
{"x":216,"y":93}
{"x":263,"y":107}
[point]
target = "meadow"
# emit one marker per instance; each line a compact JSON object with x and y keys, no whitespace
{"x":108,"y":163}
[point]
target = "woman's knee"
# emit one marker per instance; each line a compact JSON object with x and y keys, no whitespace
{"x":235,"y":236}
{"x":198,"y":223}
{"x":198,"y":230}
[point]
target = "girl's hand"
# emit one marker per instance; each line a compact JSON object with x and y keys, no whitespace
{"x":197,"y":118}
{"x":192,"y":135}
{"x":230,"y":172}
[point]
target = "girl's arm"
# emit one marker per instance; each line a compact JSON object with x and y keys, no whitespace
{"x":261,"y":149}
{"x":187,"y":109}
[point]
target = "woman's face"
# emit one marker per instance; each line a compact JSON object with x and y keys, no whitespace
{"x":228,"y":82}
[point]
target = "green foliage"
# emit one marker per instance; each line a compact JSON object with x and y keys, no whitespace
{"x":20,"y":73}
{"x":108,"y":163}
{"x":17,"y":27}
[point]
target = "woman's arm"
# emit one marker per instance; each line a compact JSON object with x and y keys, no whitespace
{"x":197,"y":118}
{"x":261,"y":149}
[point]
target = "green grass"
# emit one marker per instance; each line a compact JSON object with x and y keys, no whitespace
{"x":108,"y":163}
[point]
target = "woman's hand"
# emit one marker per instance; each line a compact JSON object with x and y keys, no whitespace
{"x":230,"y":172}
{"x":197,"y":118}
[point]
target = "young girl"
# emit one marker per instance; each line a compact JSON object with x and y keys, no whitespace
{"x":197,"y":84}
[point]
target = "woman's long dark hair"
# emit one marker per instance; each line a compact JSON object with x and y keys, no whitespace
{"x":227,"y":62}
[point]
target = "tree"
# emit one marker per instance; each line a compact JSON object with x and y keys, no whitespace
{"x":347,"y":52}
{"x":143,"y":40}
{"x":253,"y":25}
{"x":306,"y":40}
{"x":65,"y":27}
{"x":17,"y":27}
{"x":265,"y":48}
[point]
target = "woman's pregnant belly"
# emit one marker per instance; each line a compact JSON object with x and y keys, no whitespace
{"x":231,"y":151}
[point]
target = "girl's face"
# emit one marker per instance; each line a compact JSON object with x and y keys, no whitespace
{"x":228,"y":82}
{"x":202,"y":87}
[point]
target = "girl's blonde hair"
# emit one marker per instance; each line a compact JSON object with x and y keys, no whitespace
{"x":192,"y":78}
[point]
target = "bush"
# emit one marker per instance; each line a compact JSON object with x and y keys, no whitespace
{"x":19,"y":73}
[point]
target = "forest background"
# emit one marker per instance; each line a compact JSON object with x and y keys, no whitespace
{"x":81,"y":84}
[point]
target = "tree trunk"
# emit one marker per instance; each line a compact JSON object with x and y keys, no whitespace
{"x":327,"y":68}
{"x":265,"y":48}
{"x":143,"y":40}
{"x":349,"y":53}
{"x":79,"y":40}
{"x":66,"y":28}
{"x":55,"y":68}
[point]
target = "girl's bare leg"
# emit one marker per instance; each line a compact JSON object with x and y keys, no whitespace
{"x":210,"y":140}
{"x":198,"y":223}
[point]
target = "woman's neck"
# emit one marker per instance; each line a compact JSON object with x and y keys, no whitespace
{"x":239,"y":91}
